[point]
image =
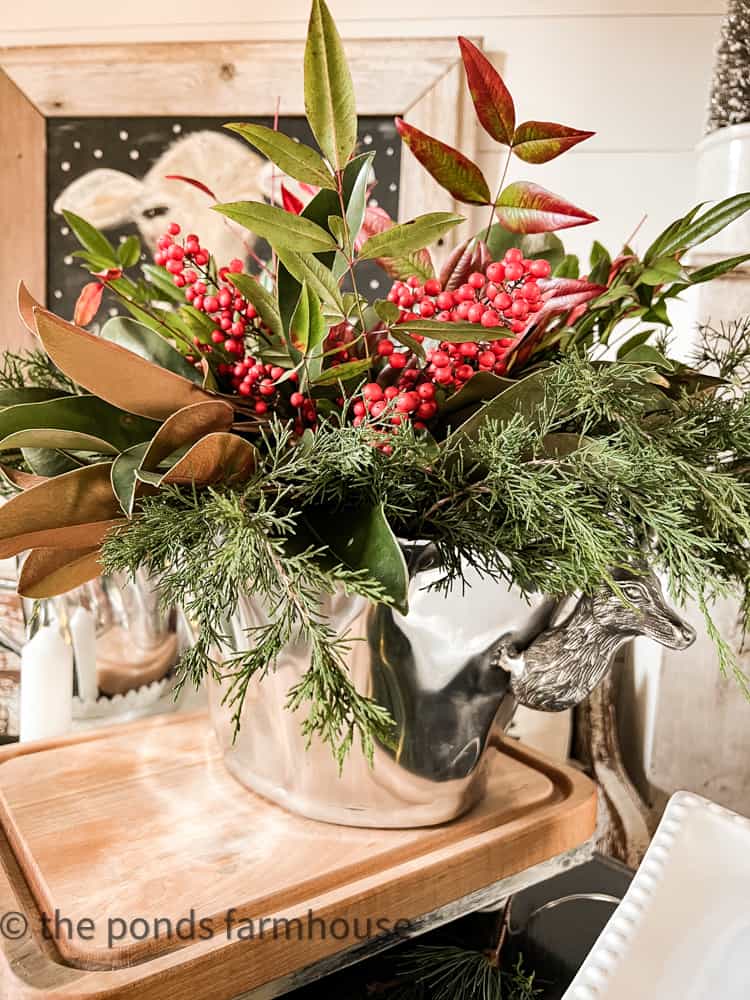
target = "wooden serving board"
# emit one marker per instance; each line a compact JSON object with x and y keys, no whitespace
{"x":125,"y":850}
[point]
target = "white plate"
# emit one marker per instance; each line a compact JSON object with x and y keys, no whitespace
{"x":682,"y":930}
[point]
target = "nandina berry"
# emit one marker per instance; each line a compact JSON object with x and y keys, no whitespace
{"x":398,"y":360}
{"x":496,"y":272}
{"x":390,"y":392}
{"x":236,"y":266}
{"x":297,"y":399}
{"x":476,"y":279}
{"x":432,"y":287}
{"x":372,"y":392}
{"x":426,"y":309}
{"x":476,"y":312}
{"x":490,"y":318}
{"x":486,"y":359}
{"x":513,"y":271}
{"x":445,"y":300}
{"x":385,"y":348}
{"x":514,"y":255}
{"x":173,"y":229}
{"x":540,"y":268}
{"x":426,"y":390}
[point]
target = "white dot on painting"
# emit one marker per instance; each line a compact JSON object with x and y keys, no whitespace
{"x":98,"y":154}
{"x":76,"y":144}
{"x":177,"y":129}
{"x":374,"y":284}
{"x":122,"y":239}
{"x":134,"y":154}
{"x":67,"y":259}
{"x":112,"y":312}
{"x":373,"y":202}
{"x":123,"y":135}
{"x":57,"y":293}
{"x":65,"y":166}
{"x":367,"y":140}
{"x":393,"y":186}
{"x":64,"y":231}
{"x":390,"y":151}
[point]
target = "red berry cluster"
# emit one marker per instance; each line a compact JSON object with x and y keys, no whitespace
{"x":259,"y":384}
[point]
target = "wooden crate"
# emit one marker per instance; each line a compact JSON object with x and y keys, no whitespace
{"x":143,"y":823}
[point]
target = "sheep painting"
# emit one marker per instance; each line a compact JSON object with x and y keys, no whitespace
{"x":229,"y":168}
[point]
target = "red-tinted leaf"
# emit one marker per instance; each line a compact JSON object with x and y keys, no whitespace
{"x":538,"y":142}
{"x":108,"y":274}
{"x":559,"y":295}
{"x":88,"y":302}
{"x":290,"y":202}
{"x":558,"y":287}
{"x":618,"y":264}
{"x":529,"y":208}
{"x":491,"y":97}
{"x":191,"y":180}
{"x":451,"y":169}
{"x":377,"y":220}
{"x":471,"y":255}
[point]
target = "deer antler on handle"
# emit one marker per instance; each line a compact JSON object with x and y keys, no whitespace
{"x":563,"y":664}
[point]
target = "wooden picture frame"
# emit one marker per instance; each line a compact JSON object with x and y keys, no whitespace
{"x":420,"y":78}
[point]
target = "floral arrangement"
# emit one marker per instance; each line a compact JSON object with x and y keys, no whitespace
{"x":277,"y":433}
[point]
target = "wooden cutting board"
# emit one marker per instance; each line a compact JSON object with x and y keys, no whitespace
{"x":143,"y":868}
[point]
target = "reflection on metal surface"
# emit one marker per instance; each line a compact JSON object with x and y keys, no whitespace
{"x":448,"y":672}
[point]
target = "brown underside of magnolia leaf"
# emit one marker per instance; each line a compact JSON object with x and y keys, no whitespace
{"x":49,"y":572}
{"x":24,"y":480}
{"x":66,"y":511}
{"x":113,"y":373}
{"x":186,"y":427}
{"x":215,"y":458}
{"x":26,"y":305}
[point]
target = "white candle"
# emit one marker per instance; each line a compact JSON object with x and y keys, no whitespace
{"x":46,"y":686}
{"x":83,"y":634}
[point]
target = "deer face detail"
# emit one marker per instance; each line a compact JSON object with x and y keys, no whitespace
{"x":562,"y":665}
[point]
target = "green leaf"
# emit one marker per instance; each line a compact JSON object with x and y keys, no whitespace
{"x":600,"y":264}
{"x":329,"y":93}
{"x":124,"y":475}
{"x":712,"y":221}
{"x":501,"y":239}
{"x":454,"y":333}
{"x":542,"y":246}
{"x":336,"y":227}
{"x":389,"y":312}
{"x":450,"y":168}
{"x":357,"y":203}
{"x":645,"y":354}
{"x":266,"y":305}
{"x":49,"y":462}
{"x":712,"y":271}
{"x":665,"y":237}
{"x":129,"y":252}
{"x":305,"y":267}
{"x":540,"y":142}
{"x":160,"y":279}
{"x":569,"y":267}
{"x":29,"y":394}
{"x":363,"y":540}
{"x":294,"y":158}
{"x":148,"y":344}
{"x":342,"y":373}
{"x":632,"y":342}
{"x":657,"y":313}
{"x":409,"y":236}
{"x":479,"y":389}
{"x":280,"y":228}
{"x":91,"y":239}
{"x":405,"y":340}
{"x":523,"y":397}
{"x":307,"y":329}
{"x":73,"y":423}
{"x":663,"y":270}
{"x":419,"y":263}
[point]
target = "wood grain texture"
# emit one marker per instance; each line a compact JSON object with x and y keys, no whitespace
{"x":23,"y":208}
{"x":146,"y":822}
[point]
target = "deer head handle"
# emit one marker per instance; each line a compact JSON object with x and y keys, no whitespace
{"x":562,"y":665}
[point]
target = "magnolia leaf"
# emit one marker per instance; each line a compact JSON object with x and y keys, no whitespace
{"x":124,"y":478}
{"x":73,"y":423}
{"x":528,"y":208}
{"x":149,"y":345}
{"x":265,"y":304}
{"x":329,"y":92}
{"x":294,"y":158}
{"x":480,"y":388}
{"x":186,"y":427}
{"x":217,"y":457}
{"x":305,"y":267}
{"x":20,"y":479}
{"x":50,"y":572}
{"x":115,"y":374}
{"x":538,"y":142}
{"x":632,"y":342}
{"x":28,"y":394}
{"x":279,"y":227}
{"x":524,"y":397}
{"x":409,"y":236}
{"x":26,"y":305}
{"x":451,"y":169}
{"x":46,"y":462}
{"x":492,"y":100}
{"x":74,"y":510}
{"x":363,"y":540}
{"x":712,"y":271}
{"x":343,"y":372}
{"x":645,"y":354}
{"x":91,"y":239}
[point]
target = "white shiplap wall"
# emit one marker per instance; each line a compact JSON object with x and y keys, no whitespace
{"x":635,"y":71}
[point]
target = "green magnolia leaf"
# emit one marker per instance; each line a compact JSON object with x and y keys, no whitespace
{"x":409,"y":236}
{"x":645,"y":354}
{"x":523,"y":397}
{"x":148,"y":344}
{"x":329,"y":93}
{"x":343,"y":372}
{"x":479,"y":389}
{"x":49,"y":462}
{"x":539,"y":142}
{"x":265,"y":304}
{"x":92,"y":240}
{"x":129,"y":252}
{"x":73,"y":423}
{"x":600,"y":264}
{"x":528,"y":208}
{"x":451,"y":169}
{"x":492,"y":100}
{"x":124,"y":475}
{"x":664,"y":238}
{"x":294,"y":158}
{"x":698,"y":230}
{"x":279,"y":227}
{"x":657,"y":314}
{"x":363,"y":540}
{"x":305,"y":267}
{"x":29,"y":394}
